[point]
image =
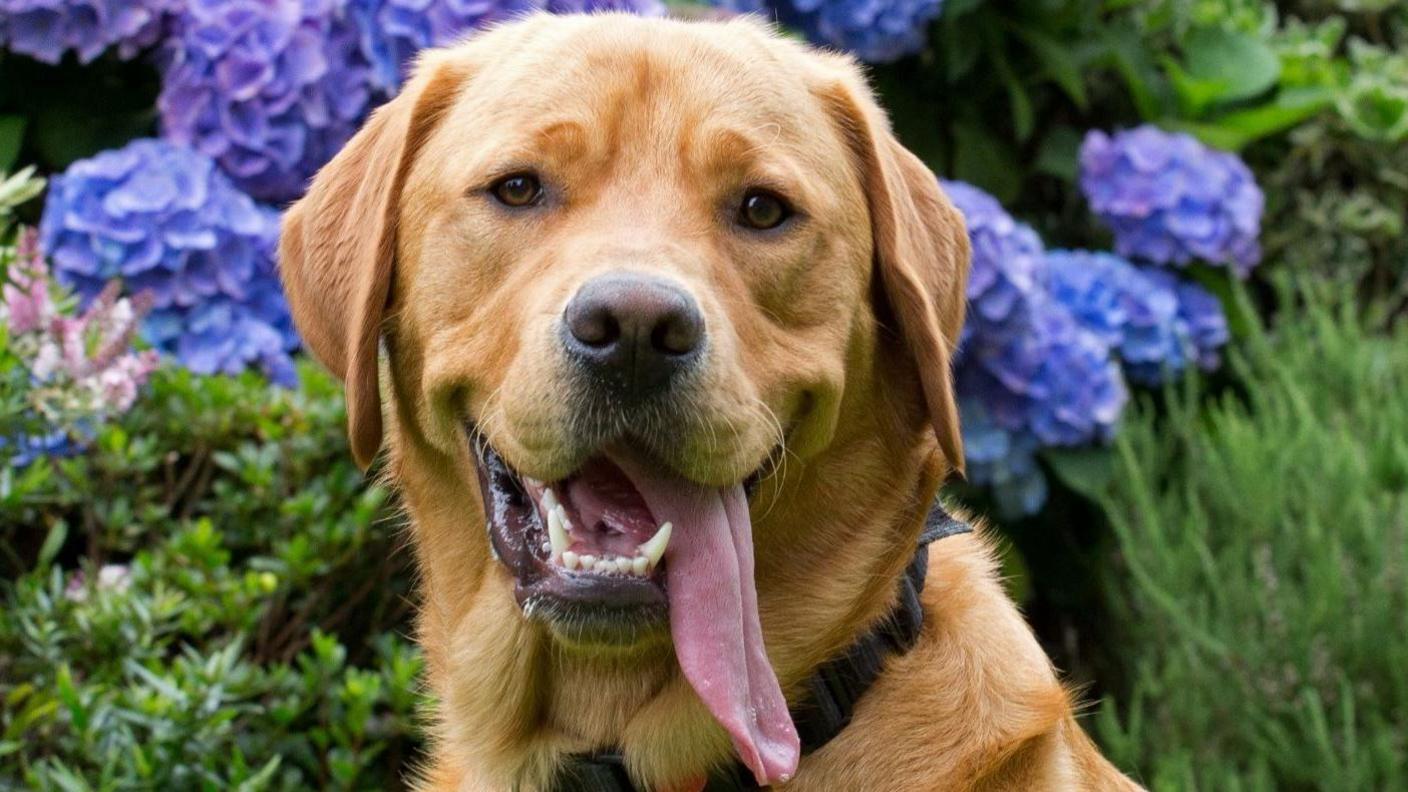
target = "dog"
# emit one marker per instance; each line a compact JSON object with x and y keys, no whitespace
{"x":655,"y":320}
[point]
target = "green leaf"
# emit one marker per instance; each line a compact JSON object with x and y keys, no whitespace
{"x":982,"y":159}
{"x":64,"y":133}
{"x":1126,"y":52}
{"x":1059,"y":63}
{"x":19,"y":188}
{"x":53,"y":543}
{"x":68,"y":694}
{"x":1086,"y":470}
{"x":1239,"y":129}
{"x":1222,"y":66}
{"x":1059,"y":154}
{"x":11,"y":136}
{"x":1375,"y":109}
{"x":957,"y":8}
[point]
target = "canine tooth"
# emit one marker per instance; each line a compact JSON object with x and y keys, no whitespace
{"x":603,"y":566}
{"x":654,"y":548}
{"x":557,"y":534}
{"x":623,"y":565}
{"x":570,"y":559}
{"x":562,"y":515}
{"x":549,"y":500}
{"x":588,"y":561}
{"x":639,"y":566}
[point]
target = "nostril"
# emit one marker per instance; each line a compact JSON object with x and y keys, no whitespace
{"x":597,"y":328}
{"x":592,"y":322}
{"x":678,"y":334}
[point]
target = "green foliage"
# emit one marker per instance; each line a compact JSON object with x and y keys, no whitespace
{"x":54,"y":115}
{"x":15,"y":191}
{"x":212,"y":597}
{"x":1263,"y":537}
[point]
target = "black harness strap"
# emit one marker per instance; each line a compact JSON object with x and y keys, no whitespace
{"x":833,"y":691}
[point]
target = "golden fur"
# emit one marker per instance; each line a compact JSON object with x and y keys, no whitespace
{"x":833,"y":338}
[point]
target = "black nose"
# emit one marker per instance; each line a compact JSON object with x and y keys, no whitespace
{"x":633,"y":333}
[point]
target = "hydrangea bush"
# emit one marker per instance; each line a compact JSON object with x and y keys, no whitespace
{"x":877,"y":31}
{"x":1051,"y":338}
{"x":393,"y":31}
{"x":48,"y":29}
{"x":1156,"y":324}
{"x":166,"y":221}
{"x":270,"y":89}
{"x":1169,"y":199}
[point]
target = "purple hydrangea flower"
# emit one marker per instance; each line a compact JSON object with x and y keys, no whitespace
{"x":1057,"y":381}
{"x":393,"y":31}
{"x":1006,"y":269}
{"x":1171,"y":200}
{"x":270,"y":89}
{"x":166,"y":221}
{"x":877,"y":31}
{"x":1029,"y":374}
{"x":46,"y":29}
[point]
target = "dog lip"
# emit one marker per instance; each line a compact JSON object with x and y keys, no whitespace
{"x":583,"y":607}
{"x":586,"y":607}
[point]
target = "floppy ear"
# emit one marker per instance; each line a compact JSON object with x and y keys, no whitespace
{"x":337,"y":249}
{"x":921,"y":250}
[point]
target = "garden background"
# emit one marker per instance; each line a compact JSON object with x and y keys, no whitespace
{"x":1182,"y":379}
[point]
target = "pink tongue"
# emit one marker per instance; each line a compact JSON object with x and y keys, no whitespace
{"x":714,"y":617}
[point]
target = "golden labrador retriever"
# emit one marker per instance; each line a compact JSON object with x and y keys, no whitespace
{"x":667,"y":315}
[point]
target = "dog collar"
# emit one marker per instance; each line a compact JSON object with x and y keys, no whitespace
{"x":832,"y":692}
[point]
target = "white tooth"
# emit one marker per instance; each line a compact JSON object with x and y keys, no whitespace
{"x":654,"y":549}
{"x":603,"y":566}
{"x":570,"y":559}
{"x":562,"y":515}
{"x":640,"y":565}
{"x":623,"y":565}
{"x":549,"y":500}
{"x":588,"y":561}
{"x":557,"y":535}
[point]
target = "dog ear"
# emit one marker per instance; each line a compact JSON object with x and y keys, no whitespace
{"x":337,"y":249}
{"x":921,"y":249}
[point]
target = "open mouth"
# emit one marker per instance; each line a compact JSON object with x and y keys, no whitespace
{"x":585,"y":551}
{"x":623,"y":548}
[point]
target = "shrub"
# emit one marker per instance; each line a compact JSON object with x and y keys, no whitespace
{"x":1263,"y":537}
{"x":211,"y":597}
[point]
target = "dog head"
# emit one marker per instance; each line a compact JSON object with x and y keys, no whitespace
{"x":627,"y":272}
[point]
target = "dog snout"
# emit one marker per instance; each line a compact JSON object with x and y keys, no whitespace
{"x":633,"y":333}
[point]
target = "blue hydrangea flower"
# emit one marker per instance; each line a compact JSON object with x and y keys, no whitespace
{"x":1135,"y":314}
{"x":877,"y":31}
{"x":270,"y":89}
{"x":1171,"y":200}
{"x":46,"y":29}
{"x":1201,"y":323}
{"x":24,"y":450}
{"x":1004,"y":461}
{"x":165,"y":220}
{"x":393,"y":31}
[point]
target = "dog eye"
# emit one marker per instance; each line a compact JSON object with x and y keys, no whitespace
{"x":763,"y":210}
{"x":517,"y":190}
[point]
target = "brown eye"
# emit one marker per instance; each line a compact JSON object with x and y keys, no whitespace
{"x":517,"y":190}
{"x":762,"y":210}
